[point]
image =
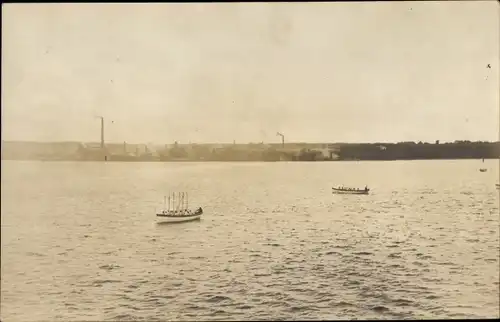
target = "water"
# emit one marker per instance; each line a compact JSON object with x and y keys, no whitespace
{"x":80,"y":242}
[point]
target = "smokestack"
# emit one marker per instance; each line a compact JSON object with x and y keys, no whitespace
{"x":282,"y":139}
{"x":102,"y":132}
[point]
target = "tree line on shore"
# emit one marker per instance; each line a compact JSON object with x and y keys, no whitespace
{"x":420,"y":150}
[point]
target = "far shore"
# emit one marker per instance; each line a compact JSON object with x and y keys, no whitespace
{"x":252,"y":152}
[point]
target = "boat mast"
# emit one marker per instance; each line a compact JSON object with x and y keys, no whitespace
{"x":187,"y":201}
{"x":164,"y":202}
{"x":173,"y":200}
{"x":169,"y":202}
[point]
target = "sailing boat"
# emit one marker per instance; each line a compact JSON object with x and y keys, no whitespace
{"x":178,"y":212}
{"x":483,"y":169}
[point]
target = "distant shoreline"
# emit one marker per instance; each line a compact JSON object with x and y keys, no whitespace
{"x":258,"y":152}
{"x":243,"y":161}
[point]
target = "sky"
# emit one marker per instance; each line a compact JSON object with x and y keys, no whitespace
{"x":215,"y":72}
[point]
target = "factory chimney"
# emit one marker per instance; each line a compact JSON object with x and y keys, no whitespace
{"x":102,"y":133}
{"x":282,"y":139}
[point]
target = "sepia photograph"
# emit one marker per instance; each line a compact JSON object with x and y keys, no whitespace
{"x":250,"y":161}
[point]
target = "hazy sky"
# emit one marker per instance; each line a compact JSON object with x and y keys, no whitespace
{"x":322,"y":72}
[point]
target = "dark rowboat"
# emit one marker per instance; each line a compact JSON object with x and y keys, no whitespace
{"x":350,"y":191}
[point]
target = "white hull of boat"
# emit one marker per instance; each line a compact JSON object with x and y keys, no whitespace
{"x":172,"y":219}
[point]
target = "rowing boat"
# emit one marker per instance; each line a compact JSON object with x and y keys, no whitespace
{"x":350,"y":191}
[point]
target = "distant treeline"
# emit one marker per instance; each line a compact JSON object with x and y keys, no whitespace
{"x":419,"y":151}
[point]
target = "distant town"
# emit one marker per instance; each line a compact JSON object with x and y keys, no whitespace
{"x":178,"y":152}
{"x":270,"y":152}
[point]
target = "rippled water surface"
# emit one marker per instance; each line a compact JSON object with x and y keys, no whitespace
{"x":80,"y":242}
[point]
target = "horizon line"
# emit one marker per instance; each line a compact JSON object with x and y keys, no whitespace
{"x":248,"y":143}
